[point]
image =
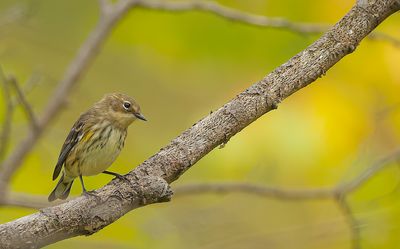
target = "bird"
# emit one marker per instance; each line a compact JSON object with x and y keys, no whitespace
{"x":94,"y":142}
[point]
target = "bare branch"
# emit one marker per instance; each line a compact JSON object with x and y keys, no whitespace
{"x":9,"y":110}
{"x":385,"y":37}
{"x":291,"y":194}
{"x":148,"y":182}
{"x":25,"y":200}
{"x":105,"y":8}
{"x":255,"y":189}
{"x":31,"y":83}
{"x":74,"y":72}
{"x":24,"y":102}
{"x":351,"y":221}
{"x":235,"y":15}
{"x":104,"y":5}
{"x":367,"y":174}
{"x":252,"y":19}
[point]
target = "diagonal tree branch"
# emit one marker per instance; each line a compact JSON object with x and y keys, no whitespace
{"x":86,"y":215}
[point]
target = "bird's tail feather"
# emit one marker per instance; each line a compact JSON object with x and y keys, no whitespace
{"x":62,"y":189}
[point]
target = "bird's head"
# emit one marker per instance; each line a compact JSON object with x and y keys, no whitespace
{"x":121,"y":109}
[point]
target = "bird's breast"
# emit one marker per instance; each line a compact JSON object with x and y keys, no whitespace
{"x":99,"y":152}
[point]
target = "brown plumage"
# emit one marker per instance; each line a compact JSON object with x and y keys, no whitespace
{"x":94,"y":141}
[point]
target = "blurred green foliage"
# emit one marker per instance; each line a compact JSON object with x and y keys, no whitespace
{"x":181,"y":66}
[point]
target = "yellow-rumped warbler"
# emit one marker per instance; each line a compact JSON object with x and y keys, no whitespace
{"x":95,"y":141}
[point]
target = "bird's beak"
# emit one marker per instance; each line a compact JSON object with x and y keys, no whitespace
{"x":140,"y":116}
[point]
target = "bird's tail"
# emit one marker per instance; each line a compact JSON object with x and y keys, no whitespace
{"x":61,"y":191}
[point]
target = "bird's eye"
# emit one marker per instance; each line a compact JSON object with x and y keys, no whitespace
{"x":127,"y":105}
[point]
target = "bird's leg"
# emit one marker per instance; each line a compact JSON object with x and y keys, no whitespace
{"x":84,"y":191}
{"x":119,"y":176}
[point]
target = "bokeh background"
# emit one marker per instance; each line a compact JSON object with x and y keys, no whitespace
{"x":181,"y":66}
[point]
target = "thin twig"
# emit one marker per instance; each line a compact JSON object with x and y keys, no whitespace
{"x":14,"y":199}
{"x":253,"y":19}
{"x":368,"y":173}
{"x":235,"y":15}
{"x":11,"y":103}
{"x":24,"y":102}
{"x":9,"y":110}
{"x":355,"y":232}
{"x":30,"y":84}
{"x":255,"y":189}
{"x":292,"y":194}
{"x":384,"y":37}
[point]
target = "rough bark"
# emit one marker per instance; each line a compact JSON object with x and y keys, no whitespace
{"x":148,"y":182}
{"x":72,"y":218}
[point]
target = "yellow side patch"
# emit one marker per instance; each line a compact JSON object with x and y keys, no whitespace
{"x":87,"y":136}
